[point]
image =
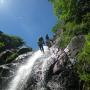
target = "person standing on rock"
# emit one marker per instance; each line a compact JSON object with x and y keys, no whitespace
{"x":48,"y":42}
{"x":40,"y":43}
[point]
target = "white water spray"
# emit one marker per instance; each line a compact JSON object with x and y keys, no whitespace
{"x":24,"y":71}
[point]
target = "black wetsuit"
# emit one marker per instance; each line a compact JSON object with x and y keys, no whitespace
{"x":40,"y":43}
{"x":48,"y":41}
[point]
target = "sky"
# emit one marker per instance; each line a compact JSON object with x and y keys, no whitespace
{"x":27,"y":19}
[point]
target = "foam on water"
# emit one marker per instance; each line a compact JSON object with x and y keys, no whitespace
{"x":23,"y":72}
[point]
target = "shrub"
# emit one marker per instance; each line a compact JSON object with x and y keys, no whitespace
{"x":2,"y":44}
{"x":83,"y":65}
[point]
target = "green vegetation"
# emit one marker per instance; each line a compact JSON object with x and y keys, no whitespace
{"x":74,"y":19}
{"x":2,"y":44}
{"x":83,"y":65}
{"x":9,"y":42}
{"x":10,"y":48}
{"x":11,"y":57}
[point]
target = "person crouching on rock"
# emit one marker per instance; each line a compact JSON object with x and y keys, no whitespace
{"x":40,"y":43}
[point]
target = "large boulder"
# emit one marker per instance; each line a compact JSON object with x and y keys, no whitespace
{"x":7,"y":72}
{"x":55,"y":73}
{"x":75,"y":46}
{"x":63,"y":76}
{"x":61,"y":62}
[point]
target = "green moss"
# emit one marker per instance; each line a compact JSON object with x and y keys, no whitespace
{"x":11,"y":57}
{"x":2,"y":44}
{"x":83,"y":58}
{"x":10,"y":42}
{"x":85,"y":77}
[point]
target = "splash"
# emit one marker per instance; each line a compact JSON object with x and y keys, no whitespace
{"x":23,"y":72}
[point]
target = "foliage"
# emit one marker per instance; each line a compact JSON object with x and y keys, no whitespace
{"x":74,"y":19}
{"x":16,"y":41}
{"x":9,"y":46}
{"x":9,"y":42}
{"x":2,"y":44}
{"x":84,"y":63}
{"x":70,"y":10}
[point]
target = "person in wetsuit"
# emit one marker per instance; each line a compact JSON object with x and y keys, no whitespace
{"x":48,"y":42}
{"x":40,"y":43}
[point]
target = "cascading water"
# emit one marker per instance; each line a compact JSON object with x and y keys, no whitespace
{"x":51,"y":70}
{"x":24,"y":71}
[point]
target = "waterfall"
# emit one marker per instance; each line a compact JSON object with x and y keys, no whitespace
{"x":24,"y":71}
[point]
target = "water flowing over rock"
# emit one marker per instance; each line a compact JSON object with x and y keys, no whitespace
{"x":51,"y":70}
{"x":8,"y":71}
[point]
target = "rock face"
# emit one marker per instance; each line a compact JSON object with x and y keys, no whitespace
{"x":8,"y":71}
{"x":24,"y":50}
{"x":54,"y":74}
{"x":4,"y":55}
{"x":8,"y":56}
{"x":63,"y":77}
{"x":61,"y":62}
{"x":58,"y":72}
{"x":75,"y":46}
{"x":11,"y":47}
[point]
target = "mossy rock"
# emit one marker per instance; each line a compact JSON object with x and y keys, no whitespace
{"x":24,"y":50}
{"x":4,"y":55}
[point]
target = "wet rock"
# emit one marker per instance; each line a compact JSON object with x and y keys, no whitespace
{"x":60,"y":64}
{"x":60,"y":75}
{"x":8,"y":71}
{"x":4,"y":55}
{"x":5,"y":75}
{"x":66,"y":80}
{"x":24,"y":50}
{"x":53,"y":72}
